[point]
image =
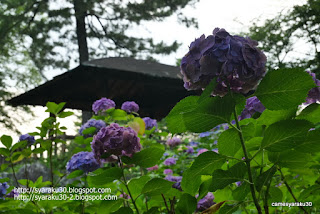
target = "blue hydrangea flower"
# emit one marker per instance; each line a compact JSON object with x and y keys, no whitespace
{"x":204,"y":134}
{"x":115,"y":140}
{"x":169,"y":161}
{"x":130,"y":106}
{"x":30,"y":139}
{"x":84,"y":161}
{"x":205,"y":202}
{"x":233,"y":60}
{"x":195,"y":144}
{"x":253,"y":105}
{"x":150,"y":123}
{"x":102,"y":105}
{"x":3,"y":189}
{"x":98,"y":124}
{"x":189,"y":150}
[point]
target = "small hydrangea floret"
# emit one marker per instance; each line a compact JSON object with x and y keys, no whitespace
{"x":235,"y":61}
{"x":169,"y":161}
{"x":98,"y":124}
{"x":26,"y":137}
{"x":130,"y":106}
{"x":173,"y":142}
{"x":314,"y":93}
{"x":84,"y":161}
{"x":150,"y":123}
{"x":253,"y":105}
{"x":205,"y":202}
{"x":115,"y":140}
{"x":102,"y":105}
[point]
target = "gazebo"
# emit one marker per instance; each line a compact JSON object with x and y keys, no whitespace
{"x":155,"y":87}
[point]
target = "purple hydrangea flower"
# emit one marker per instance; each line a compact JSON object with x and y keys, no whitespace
{"x":150,"y":123}
{"x":314,"y":93}
{"x":253,"y":105}
{"x":189,"y":150}
{"x":173,"y":178}
{"x":3,"y":189}
{"x":238,"y":183}
{"x":205,"y":202}
{"x":156,"y":167}
{"x":169,"y":161}
{"x":173,"y":142}
{"x":125,"y":196}
{"x":30,"y":139}
{"x":234,"y":60}
{"x":130,"y":106}
{"x":13,"y":194}
{"x":205,"y":134}
{"x":84,"y":161}
{"x":98,"y":124}
{"x":102,"y":105}
{"x":115,"y":140}
{"x":168,"y":172}
{"x":201,"y":151}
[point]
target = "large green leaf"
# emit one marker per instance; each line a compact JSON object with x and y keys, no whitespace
{"x":6,"y":141}
{"x":229,"y":142}
{"x":204,"y":164}
{"x":106,"y":176}
{"x":290,"y":159}
{"x":109,"y":206}
{"x":285,"y":135}
{"x":311,"y":113}
{"x":269,"y":117}
{"x":135,"y":185}
{"x":311,"y":144}
{"x":175,"y":120}
{"x":284,"y":88}
{"x":124,"y":210}
{"x":210,"y":113}
{"x":156,"y":186}
{"x":147,"y":157}
{"x":265,"y":177}
{"x":241,"y":192}
{"x":222,"y":178}
{"x":229,"y":209}
{"x":187,"y":204}
{"x":54,"y":108}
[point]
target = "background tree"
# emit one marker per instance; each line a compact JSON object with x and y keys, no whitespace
{"x":279,"y":37}
{"x":42,"y":35}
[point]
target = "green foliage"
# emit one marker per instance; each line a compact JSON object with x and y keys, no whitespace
{"x":187,"y":204}
{"x":147,"y":157}
{"x":156,"y":186}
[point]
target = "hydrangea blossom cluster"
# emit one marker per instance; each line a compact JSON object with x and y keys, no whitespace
{"x":314,"y":93}
{"x":189,"y":150}
{"x":115,"y":140}
{"x":102,"y":105}
{"x":173,"y":142}
{"x":156,"y":167}
{"x":150,"y":123}
{"x":98,"y":124}
{"x":169,"y":161}
{"x":130,"y":106}
{"x":84,"y":161}
{"x":3,"y":189}
{"x":168,"y":172}
{"x":233,"y":60}
{"x":30,"y":139}
{"x":13,"y":194}
{"x":176,"y":179}
{"x":253,"y":105}
{"x":205,"y":202}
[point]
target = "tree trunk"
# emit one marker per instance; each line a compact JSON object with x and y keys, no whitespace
{"x":80,"y":9}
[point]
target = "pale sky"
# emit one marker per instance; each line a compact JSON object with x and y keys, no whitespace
{"x":233,"y":15}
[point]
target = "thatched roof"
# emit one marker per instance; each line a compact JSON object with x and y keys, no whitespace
{"x":155,"y":87}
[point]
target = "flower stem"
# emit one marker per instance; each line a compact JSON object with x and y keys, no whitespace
{"x":165,"y":202}
{"x":126,"y":184}
{"x":247,"y":161}
{"x":290,"y":190}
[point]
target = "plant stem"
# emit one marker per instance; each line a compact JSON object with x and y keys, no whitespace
{"x":165,"y":202}
{"x":51,"y":167}
{"x":14,"y":173}
{"x":247,"y":161}
{"x":290,"y":190}
{"x":265,"y":200}
{"x":126,"y":184}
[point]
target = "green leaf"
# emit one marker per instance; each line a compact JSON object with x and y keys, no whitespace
{"x":124,"y":210}
{"x":310,"y":191}
{"x":175,"y":122}
{"x":107,"y":207}
{"x":229,"y":142}
{"x":264,"y":178}
{"x":156,"y":186}
{"x":269,"y":117}
{"x":285,"y":135}
{"x":65,"y":114}
{"x":276,"y":194}
{"x":4,"y":166}
{"x":75,"y":174}
{"x":209,"y":113}
{"x":26,"y":152}
{"x":90,"y":130}
{"x":284,"y":88}
{"x":204,"y":164}
{"x":54,"y":108}
{"x":222,"y":178}
{"x":6,"y":141}
{"x":241,"y":192}
{"x":2,"y":180}
{"x":5,"y":152}
{"x":208,"y":90}
{"x":290,"y":159}
{"x":106,"y":176}
{"x":229,"y":209}
{"x":311,"y":113}
{"x":147,"y":157}
{"x":136,"y":185}
{"x":187,"y":204}
{"x":21,"y":144}
{"x":119,"y":114}
{"x":38,"y":150}
{"x":153,"y":210}
{"x":311,"y":144}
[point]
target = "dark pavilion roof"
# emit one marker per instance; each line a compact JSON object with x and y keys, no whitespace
{"x":155,"y":87}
